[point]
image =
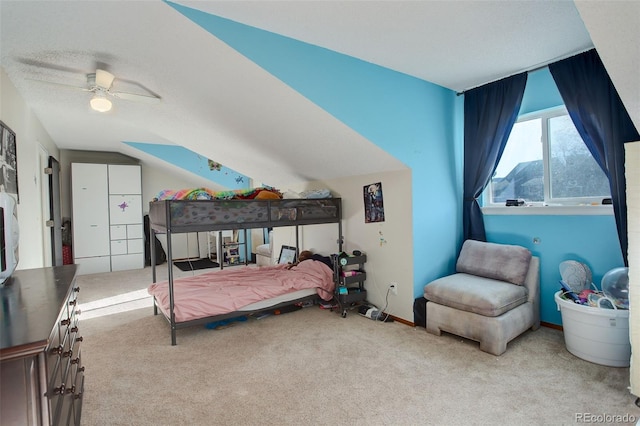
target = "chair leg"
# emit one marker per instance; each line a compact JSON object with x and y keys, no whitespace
{"x":495,"y":348}
{"x":433,"y":329}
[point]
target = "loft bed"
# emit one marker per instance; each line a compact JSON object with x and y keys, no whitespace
{"x":172,"y":216}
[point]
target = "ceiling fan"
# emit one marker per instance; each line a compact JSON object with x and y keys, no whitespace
{"x":100,"y":84}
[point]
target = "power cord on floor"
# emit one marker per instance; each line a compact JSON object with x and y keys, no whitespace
{"x":381,"y":315}
{"x":386,"y":304}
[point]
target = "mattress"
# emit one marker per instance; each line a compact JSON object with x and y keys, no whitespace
{"x":242,"y":288}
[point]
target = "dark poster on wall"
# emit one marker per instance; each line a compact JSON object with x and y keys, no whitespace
{"x":8,"y":161}
{"x":373,"y":203}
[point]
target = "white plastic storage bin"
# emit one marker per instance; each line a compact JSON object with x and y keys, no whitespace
{"x":598,"y":335}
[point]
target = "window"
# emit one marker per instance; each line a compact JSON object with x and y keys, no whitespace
{"x":545,"y":162}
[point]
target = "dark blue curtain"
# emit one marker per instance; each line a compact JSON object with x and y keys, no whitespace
{"x":603,"y":122}
{"x":489,"y":114}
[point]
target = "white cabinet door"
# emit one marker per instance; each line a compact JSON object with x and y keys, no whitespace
{"x":125,"y":179}
{"x":135,"y":231}
{"x":90,"y":210}
{"x":125,"y":209}
{"x":118,"y":232}
{"x":118,"y":247}
{"x":135,"y":246}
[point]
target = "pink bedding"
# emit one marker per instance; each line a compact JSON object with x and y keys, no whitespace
{"x":229,"y":290}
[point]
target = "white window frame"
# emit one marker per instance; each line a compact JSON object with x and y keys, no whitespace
{"x":550,"y":206}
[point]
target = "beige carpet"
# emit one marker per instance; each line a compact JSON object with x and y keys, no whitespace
{"x":312,"y":367}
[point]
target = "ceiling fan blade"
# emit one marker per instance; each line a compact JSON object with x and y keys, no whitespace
{"x":53,"y":83}
{"x":150,"y":99}
{"x":104,"y":79}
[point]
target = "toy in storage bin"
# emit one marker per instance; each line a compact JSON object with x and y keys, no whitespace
{"x":596,"y":334}
{"x":596,"y":324}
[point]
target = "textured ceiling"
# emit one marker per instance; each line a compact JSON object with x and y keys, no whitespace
{"x":455,"y":44}
{"x":221,"y":105}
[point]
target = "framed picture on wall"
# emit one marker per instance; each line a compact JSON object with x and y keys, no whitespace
{"x":373,"y":203}
{"x":8,"y":161}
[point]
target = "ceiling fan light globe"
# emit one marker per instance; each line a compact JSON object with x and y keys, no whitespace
{"x":100,"y":104}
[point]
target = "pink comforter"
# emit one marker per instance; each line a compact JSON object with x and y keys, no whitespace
{"x":228,"y":290}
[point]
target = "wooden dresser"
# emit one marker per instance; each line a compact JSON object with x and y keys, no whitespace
{"x":41,"y":367}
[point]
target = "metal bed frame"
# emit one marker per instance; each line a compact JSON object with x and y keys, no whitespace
{"x":167,"y":217}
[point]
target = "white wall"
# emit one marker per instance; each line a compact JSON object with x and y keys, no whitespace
{"x":30,"y":138}
{"x":156,"y":179}
{"x":388,"y":245}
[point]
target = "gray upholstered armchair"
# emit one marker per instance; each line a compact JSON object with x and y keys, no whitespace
{"x":493,"y":297}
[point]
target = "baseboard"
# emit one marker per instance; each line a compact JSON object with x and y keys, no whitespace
{"x":550,"y":325}
{"x":401,"y":320}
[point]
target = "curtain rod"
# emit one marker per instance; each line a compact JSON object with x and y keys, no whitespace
{"x":528,"y":70}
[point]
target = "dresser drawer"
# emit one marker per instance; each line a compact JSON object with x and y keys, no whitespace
{"x":57,"y":385}
{"x":67,"y":400}
{"x":40,"y":365}
{"x":77,"y":403}
{"x":77,"y":370}
{"x":62,"y":362}
{"x":53,"y":358}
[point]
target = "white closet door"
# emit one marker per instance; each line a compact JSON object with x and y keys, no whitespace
{"x":125,"y":179}
{"x":90,"y":210}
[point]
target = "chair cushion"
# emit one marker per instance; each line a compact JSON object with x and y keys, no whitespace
{"x":480,"y":295}
{"x":502,"y":262}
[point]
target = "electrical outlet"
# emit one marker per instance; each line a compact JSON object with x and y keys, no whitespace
{"x":394,"y":288}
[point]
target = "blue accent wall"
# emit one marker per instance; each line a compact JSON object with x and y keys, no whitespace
{"x":417,"y":122}
{"x":541,"y":92}
{"x":592,"y":240}
{"x":194,"y":163}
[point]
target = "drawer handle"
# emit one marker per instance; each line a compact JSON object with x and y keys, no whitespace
{"x":68,"y":353}
{"x":72,"y":389}
{"x":78,"y":396}
{"x":75,"y":360}
{"x":73,"y":302}
{"x":74,"y":329}
{"x":65,"y":321}
{"x":81,"y":369}
{"x":56,"y":351}
{"x":59,"y":390}
{"x":76,"y":289}
{"x":79,"y":339}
